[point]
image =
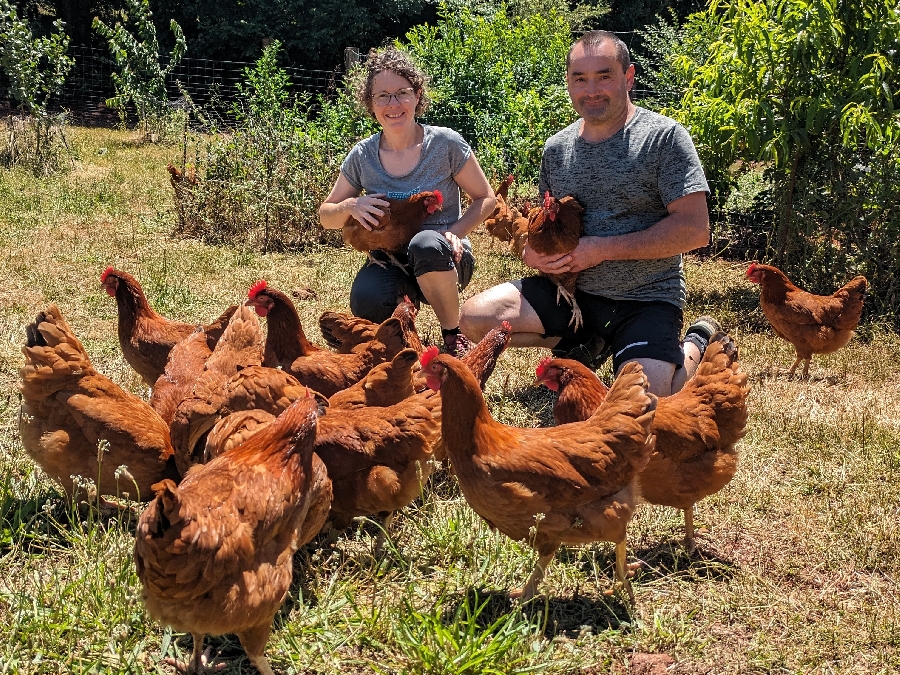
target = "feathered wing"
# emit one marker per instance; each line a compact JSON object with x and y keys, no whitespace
{"x":186,"y":362}
{"x":377,"y":458}
{"x":68,"y":408}
{"x":591,"y":459}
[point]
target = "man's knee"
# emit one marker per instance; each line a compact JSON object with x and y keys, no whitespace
{"x":659,"y":375}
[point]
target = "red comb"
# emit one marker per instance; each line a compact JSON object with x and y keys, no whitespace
{"x":542,"y":366}
{"x":510,"y":178}
{"x":109,"y":270}
{"x":548,"y":200}
{"x":439,"y":196}
{"x":748,"y":273}
{"x":506,"y":326}
{"x":427,"y":355}
{"x":260,"y":285}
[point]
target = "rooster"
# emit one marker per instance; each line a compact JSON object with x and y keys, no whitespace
{"x":402,"y":220}
{"x":696,"y":429}
{"x":146,"y":337}
{"x":555,"y":229}
{"x":569,"y":484}
{"x":75,"y":421}
{"x":215,"y":554}
{"x":814,"y":324}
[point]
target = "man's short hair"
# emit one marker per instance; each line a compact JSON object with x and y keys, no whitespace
{"x":592,"y":39}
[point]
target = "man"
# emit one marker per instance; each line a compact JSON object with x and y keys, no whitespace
{"x":639,"y":178}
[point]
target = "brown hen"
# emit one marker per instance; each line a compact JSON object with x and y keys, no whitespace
{"x":75,"y":421}
{"x":322,"y":370}
{"x":555,"y":229}
{"x":501,"y":223}
{"x":386,"y":384}
{"x":402,"y":220}
{"x":378,"y":458}
{"x":146,"y":337}
{"x":697,"y":429}
{"x":814,"y":324}
{"x":569,"y":484}
{"x":215,"y":554}
{"x":342,"y":332}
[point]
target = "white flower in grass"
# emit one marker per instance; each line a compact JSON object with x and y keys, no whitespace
{"x":123,"y":472}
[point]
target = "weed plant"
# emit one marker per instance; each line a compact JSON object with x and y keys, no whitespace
{"x":796,"y":570}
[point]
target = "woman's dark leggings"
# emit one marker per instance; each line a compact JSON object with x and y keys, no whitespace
{"x":376,"y":290}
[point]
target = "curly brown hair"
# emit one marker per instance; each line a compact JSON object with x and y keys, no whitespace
{"x":395,"y":61}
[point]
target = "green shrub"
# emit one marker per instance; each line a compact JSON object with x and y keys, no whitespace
{"x":804,"y":91}
{"x":499,"y":81}
{"x":141,"y":80}
{"x":262,"y":183}
{"x":37,"y":68}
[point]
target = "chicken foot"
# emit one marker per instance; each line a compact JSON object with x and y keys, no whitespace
{"x":200,"y":659}
{"x":376,"y":261}
{"x":530,"y":588}
{"x":805,"y":367}
{"x":384,"y":534}
{"x":624,"y":572}
{"x":577,"y":318}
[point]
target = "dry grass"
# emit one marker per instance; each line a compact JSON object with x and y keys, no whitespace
{"x":796,"y":573}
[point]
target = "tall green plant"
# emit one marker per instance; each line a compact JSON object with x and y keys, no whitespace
{"x":37,"y":68}
{"x":265,"y":179}
{"x":785,"y":79}
{"x":141,"y":79}
{"x":498,"y":80}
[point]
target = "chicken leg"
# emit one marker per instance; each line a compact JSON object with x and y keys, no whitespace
{"x":530,"y":588}
{"x":254,"y":643}
{"x":577,"y":318}
{"x":200,"y":661}
{"x":689,"y":542}
{"x":624,"y":571}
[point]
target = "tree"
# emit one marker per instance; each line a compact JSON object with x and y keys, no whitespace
{"x":807,"y":87}
{"x":141,"y":79}
{"x":37,"y":68}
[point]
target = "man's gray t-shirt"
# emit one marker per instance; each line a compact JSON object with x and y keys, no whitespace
{"x":625,"y":184}
{"x":444,"y":153}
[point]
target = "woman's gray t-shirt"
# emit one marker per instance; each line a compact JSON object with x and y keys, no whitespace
{"x":625,"y":184}
{"x":444,"y":153}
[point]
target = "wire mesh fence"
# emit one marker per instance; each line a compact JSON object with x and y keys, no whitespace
{"x":90,"y":83}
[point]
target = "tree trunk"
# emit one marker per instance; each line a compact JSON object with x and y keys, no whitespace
{"x":783,"y":236}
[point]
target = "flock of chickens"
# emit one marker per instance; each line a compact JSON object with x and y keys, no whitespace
{"x":253,"y":442}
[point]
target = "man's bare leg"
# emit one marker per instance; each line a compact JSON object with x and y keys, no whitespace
{"x":485,"y":311}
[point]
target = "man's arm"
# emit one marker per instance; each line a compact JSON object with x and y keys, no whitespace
{"x":684,"y":229}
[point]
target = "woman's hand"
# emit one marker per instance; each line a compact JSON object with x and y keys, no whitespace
{"x":456,"y":244}
{"x":367,"y":209}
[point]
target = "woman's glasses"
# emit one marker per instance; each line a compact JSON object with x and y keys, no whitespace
{"x":403,"y":96}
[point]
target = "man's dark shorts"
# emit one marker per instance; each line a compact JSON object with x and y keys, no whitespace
{"x":632,"y":329}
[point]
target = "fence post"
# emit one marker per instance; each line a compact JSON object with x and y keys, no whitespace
{"x":352,"y":56}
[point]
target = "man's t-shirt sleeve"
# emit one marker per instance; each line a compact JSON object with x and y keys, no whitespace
{"x":680,"y":170}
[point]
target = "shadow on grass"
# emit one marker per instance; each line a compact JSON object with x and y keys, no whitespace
{"x":740,"y":300}
{"x":671,"y":560}
{"x":49,"y":521}
{"x":536,"y":400}
{"x":567,"y":616}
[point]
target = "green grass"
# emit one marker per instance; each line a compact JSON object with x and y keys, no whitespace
{"x":796,"y":572}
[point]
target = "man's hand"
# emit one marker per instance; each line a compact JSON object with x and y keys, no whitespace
{"x":548,"y":264}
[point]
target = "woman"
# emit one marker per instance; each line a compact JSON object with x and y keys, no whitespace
{"x":404,"y":158}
